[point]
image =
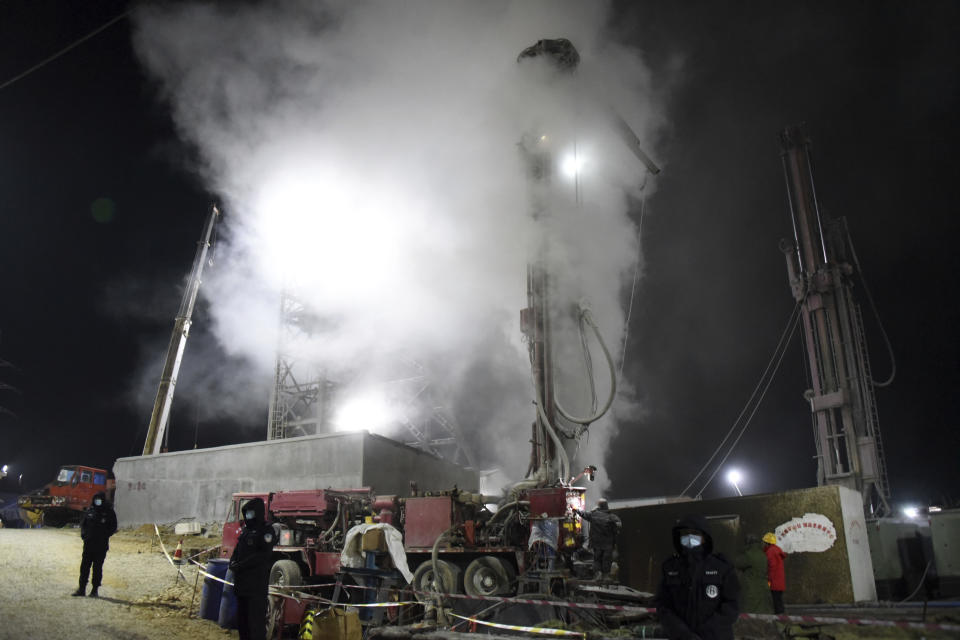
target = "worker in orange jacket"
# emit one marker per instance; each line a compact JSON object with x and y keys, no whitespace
{"x":775,"y":575}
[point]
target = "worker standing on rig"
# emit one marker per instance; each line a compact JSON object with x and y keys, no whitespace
{"x":250,"y":563}
{"x":604,"y":528}
{"x":698,"y":593}
{"x":98,"y":524}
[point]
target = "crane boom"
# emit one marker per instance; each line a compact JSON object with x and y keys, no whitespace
{"x":160,"y":417}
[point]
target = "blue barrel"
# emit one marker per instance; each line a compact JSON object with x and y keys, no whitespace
{"x":213,"y":589}
{"x":228,"y":605}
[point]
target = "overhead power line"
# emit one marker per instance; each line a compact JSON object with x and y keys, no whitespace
{"x":70,"y":46}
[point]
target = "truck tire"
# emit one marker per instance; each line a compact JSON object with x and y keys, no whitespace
{"x":286,"y":573}
{"x":449,"y":581}
{"x":489,"y":576}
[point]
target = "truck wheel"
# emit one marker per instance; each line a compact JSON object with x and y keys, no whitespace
{"x":285,"y":573}
{"x":449,"y":578}
{"x":489,"y":576}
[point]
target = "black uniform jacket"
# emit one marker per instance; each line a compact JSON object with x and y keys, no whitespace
{"x":604,"y":527}
{"x":98,"y":524}
{"x":698,"y":590}
{"x":252,"y":557}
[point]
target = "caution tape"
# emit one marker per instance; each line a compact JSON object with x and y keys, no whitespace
{"x":164,"y":549}
{"x":902,"y":624}
{"x":207,"y":550}
{"x":552,"y":603}
{"x":209,"y":575}
{"x":513,"y":627}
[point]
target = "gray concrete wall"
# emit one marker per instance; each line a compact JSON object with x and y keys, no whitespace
{"x":858,"y":545}
{"x":389,"y":466}
{"x":197,"y":484}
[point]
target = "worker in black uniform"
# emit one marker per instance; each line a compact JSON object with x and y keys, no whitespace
{"x":697,"y":598}
{"x":604,"y":528}
{"x":251,"y":563}
{"x":98,"y":523}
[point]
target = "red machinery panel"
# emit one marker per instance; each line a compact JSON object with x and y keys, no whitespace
{"x":551,"y":501}
{"x":326,"y":563}
{"x":290,"y":503}
{"x":426,"y":518}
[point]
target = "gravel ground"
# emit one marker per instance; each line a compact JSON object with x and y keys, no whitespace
{"x":142,"y":599}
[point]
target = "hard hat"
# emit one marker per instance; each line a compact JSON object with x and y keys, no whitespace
{"x":769,"y":538}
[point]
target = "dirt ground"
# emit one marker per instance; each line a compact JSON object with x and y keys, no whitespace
{"x":142,"y":596}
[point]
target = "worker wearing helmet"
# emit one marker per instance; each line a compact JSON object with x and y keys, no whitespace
{"x":775,"y":576}
{"x":604,"y":528}
{"x":697,"y":598}
{"x":98,"y":524}
{"x":251,"y":562}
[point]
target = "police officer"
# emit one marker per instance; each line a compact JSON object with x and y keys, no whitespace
{"x":697,"y":598}
{"x":251,"y":563}
{"x":604,"y":528}
{"x":99,"y":522}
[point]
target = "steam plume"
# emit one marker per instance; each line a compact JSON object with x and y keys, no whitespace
{"x":367,"y":155}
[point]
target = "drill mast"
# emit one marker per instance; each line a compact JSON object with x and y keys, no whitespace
{"x":842,"y":399}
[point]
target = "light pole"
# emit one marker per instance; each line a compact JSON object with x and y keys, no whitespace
{"x":734,"y":477}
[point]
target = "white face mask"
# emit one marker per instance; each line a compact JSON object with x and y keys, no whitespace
{"x":98,"y":502}
{"x":249,"y":514}
{"x":691,"y":540}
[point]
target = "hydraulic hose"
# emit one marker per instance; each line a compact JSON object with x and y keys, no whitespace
{"x":507,"y":507}
{"x":336,"y":520}
{"x":434,"y":553}
{"x":588,"y":318}
{"x":561,"y":452}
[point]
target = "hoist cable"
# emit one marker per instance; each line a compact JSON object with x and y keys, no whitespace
{"x":873,"y":306}
{"x":636,"y":274}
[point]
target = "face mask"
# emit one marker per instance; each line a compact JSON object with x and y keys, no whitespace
{"x":250,"y":514}
{"x":98,"y":502}
{"x":691,"y":540}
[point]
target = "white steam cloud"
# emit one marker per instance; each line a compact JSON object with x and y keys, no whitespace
{"x":367,"y":156}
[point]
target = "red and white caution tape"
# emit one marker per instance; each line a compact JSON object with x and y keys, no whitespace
{"x":200,"y":553}
{"x":513,"y":627}
{"x":552,"y":603}
{"x":902,"y":624}
{"x":164,"y":549}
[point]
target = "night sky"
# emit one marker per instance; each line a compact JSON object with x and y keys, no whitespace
{"x":100,"y":211}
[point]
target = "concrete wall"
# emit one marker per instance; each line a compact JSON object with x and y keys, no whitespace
{"x":825,"y":576}
{"x":198,"y":483}
{"x":945,"y":535}
{"x":858,"y":545}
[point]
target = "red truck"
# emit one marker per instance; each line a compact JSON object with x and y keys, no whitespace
{"x":481,"y":552}
{"x":64,"y":500}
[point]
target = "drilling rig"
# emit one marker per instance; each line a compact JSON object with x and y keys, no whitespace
{"x":842,"y":398}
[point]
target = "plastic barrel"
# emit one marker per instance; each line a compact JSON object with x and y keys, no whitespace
{"x":213,"y":589}
{"x":228,"y":605}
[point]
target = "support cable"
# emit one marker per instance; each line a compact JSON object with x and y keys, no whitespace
{"x":873,"y":306}
{"x":75,"y":43}
{"x":756,"y":407}
{"x":636,"y":274}
{"x":781,"y":346}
